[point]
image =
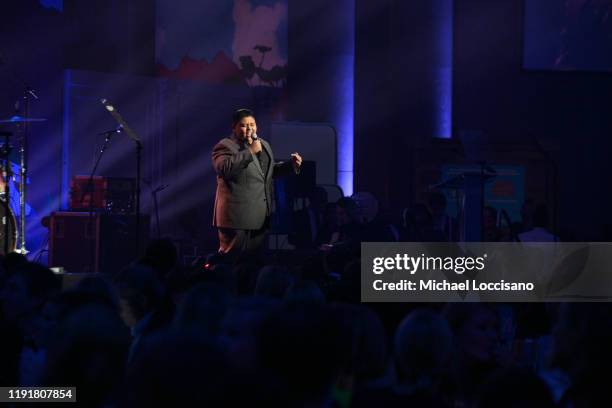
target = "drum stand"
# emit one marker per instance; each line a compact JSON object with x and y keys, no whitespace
{"x":6,"y":175}
{"x":23,"y":122}
{"x":23,"y":164}
{"x":24,"y":128}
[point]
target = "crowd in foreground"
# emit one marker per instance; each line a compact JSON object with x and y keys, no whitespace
{"x":292,"y":331}
{"x":263,"y":334}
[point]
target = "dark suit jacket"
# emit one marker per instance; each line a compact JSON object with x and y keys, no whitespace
{"x":244,"y":193}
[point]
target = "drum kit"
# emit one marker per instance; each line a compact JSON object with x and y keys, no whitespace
{"x":12,"y":236}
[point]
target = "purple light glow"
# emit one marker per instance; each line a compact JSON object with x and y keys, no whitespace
{"x":345,"y":110}
{"x":443,"y":83}
{"x":56,"y":4}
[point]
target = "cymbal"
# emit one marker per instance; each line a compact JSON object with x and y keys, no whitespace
{"x":21,"y":119}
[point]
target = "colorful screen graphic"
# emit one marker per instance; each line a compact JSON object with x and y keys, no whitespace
{"x":223,"y":42}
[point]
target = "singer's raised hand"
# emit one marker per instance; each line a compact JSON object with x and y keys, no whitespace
{"x":296,"y":161}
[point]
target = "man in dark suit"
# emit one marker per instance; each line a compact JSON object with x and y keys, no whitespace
{"x":245,"y":167}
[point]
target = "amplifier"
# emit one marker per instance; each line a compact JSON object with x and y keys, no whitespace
{"x":100,"y":243}
{"x":112,"y":194}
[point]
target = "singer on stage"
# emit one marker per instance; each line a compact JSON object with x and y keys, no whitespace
{"x":245,"y":166}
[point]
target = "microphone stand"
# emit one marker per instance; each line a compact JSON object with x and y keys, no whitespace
{"x":155,"y":204}
{"x":138,"y":177}
{"x":132,"y":135}
{"x":547,"y":155}
{"x":90,"y":189}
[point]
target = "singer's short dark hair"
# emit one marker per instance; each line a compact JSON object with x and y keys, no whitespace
{"x":241,"y":114}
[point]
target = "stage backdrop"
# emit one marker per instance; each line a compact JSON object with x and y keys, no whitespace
{"x":223,"y":41}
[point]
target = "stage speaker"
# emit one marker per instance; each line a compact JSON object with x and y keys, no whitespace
{"x":100,"y":243}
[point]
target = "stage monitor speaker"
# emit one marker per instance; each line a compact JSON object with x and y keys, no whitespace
{"x":102,"y":243}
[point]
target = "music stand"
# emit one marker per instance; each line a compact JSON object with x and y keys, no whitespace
{"x":471,"y":183}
